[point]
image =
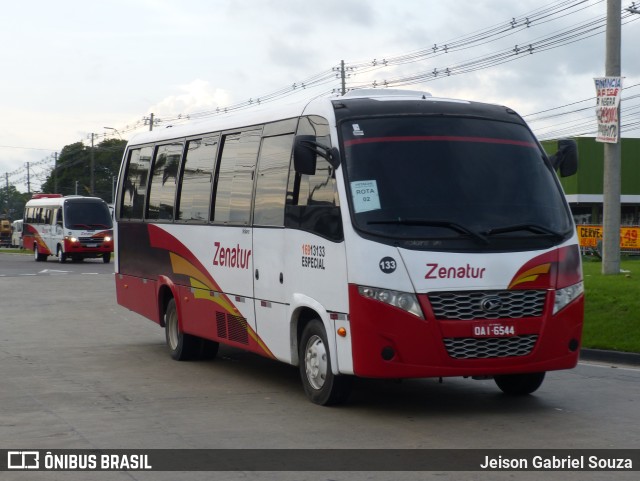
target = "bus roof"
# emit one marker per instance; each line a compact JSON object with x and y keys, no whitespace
{"x":50,"y":200}
{"x":323,"y":106}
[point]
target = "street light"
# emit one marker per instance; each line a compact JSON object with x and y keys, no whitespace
{"x":115,"y":130}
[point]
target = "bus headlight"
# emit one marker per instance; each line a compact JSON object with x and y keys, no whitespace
{"x":402,"y":300}
{"x":566,"y":295}
{"x":107,"y":238}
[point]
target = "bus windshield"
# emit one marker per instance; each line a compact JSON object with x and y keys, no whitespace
{"x":87,"y":215}
{"x":452,"y":183}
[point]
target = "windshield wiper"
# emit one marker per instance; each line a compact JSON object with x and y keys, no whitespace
{"x":82,"y":225}
{"x":102,"y":225}
{"x":434,"y":223}
{"x":534,"y":228}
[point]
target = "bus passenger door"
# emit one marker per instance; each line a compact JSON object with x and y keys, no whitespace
{"x":47,"y":228}
{"x":271,"y":304}
{"x":57,"y":231}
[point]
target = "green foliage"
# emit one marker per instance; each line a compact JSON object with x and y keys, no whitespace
{"x":12,"y":203}
{"x":612,"y":307}
{"x":74,"y":164}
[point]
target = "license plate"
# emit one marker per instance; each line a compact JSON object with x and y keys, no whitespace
{"x":494,"y":330}
{"x":92,"y":245}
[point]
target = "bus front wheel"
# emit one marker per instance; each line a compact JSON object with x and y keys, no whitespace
{"x":519,"y":384}
{"x":320,"y":384}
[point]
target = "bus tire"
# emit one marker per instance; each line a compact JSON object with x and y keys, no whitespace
{"x":62,"y":257}
{"x":182,"y":347}
{"x":106,"y":257}
{"x":519,"y":384}
{"x":320,"y":384}
{"x":208,"y":349}
{"x":37,"y":256}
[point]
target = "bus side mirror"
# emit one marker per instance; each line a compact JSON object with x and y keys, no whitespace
{"x":566,"y":158}
{"x":304,"y":154}
{"x":305,"y":151}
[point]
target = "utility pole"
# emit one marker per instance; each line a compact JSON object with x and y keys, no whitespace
{"x":612,"y":152}
{"x":150,"y":120}
{"x":55,"y":173}
{"x":28,"y":180}
{"x":6,"y":177}
{"x":92,"y":184}
{"x":343,"y":78}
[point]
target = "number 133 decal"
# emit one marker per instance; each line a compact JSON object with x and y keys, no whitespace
{"x":387,"y":265}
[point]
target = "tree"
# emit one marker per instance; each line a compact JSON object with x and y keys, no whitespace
{"x":74,"y":163}
{"x":12,"y":202}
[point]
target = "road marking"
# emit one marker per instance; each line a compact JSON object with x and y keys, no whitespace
{"x":604,"y":365}
{"x":52,"y":271}
{"x":89,"y":273}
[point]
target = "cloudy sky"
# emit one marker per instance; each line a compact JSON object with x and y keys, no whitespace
{"x":71,"y":68}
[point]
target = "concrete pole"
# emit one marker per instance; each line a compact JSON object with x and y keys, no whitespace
{"x":92,"y":184}
{"x":612,"y":152}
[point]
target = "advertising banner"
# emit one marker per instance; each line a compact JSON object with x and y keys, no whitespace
{"x":608,"y":92}
{"x":590,"y":235}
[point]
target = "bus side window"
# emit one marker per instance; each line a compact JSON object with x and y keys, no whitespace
{"x":312,"y":200}
{"x":163,"y":180}
{"x":271,"y":184}
{"x":194,"y":197}
{"x":135,"y":183}
{"x":47,"y":215}
{"x":59,"y":216}
{"x":234,"y":177}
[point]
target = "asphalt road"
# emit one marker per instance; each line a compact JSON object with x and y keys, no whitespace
{"x":77,"y":371}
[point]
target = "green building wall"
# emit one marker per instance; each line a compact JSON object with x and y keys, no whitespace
{"x":589,"y":179}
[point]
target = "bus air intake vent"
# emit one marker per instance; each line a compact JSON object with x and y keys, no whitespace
{"x":221,"y":325}
{"x":471,"y":305}
{"x":237,"y":327}
{"x":233,"y":328}
{"x":490,"y":347}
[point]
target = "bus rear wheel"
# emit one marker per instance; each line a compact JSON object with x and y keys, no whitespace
{"x":182,"y":346}
{"x":320,"y":384}
{"x":37,"y":256}
{"x":519,"y":384}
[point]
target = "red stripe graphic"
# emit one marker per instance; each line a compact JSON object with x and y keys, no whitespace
{"x":440,"y":138}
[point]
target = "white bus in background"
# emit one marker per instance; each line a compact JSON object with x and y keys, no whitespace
{"x":72,"y":227}
{"x":383,"y":234}
{"x":16,"y":233}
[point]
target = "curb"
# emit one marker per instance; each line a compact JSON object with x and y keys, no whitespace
{"x":612,"y":357}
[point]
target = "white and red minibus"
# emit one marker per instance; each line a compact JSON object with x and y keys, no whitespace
{"x":72,"y":227}
{"x":382,"y":234}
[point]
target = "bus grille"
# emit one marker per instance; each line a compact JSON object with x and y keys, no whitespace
{"x":467,"y":305}
{"x":491,"y":347}
{"x":91,"y":240}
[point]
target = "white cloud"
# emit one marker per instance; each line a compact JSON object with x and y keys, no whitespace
{"x":196,"y":96}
